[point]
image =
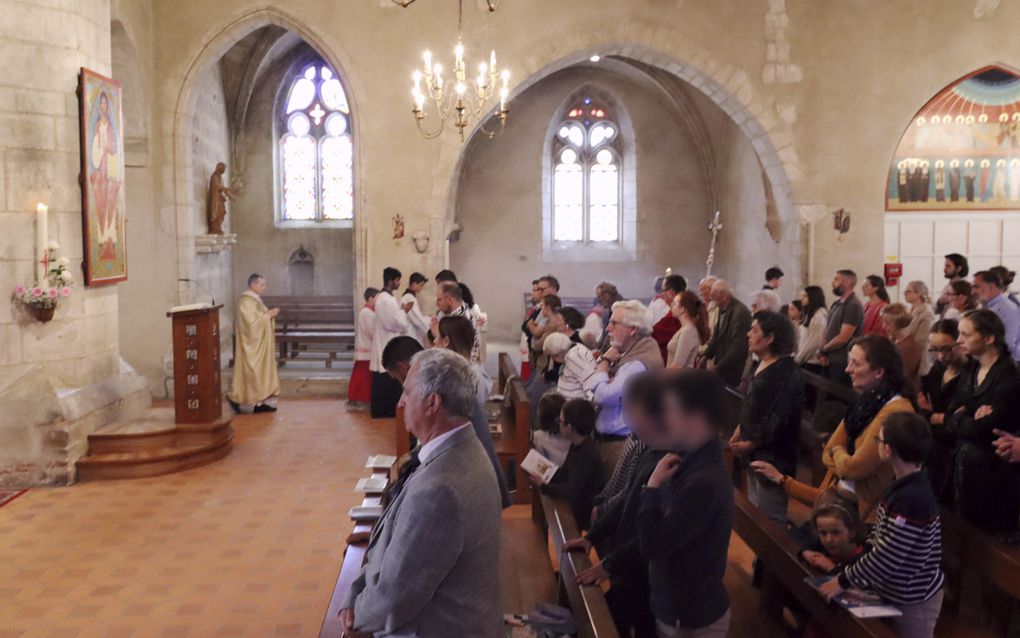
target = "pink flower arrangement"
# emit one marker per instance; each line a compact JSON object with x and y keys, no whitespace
{"x":48,"y":292}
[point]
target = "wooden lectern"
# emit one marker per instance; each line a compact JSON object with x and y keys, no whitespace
{"x":197,"y":392}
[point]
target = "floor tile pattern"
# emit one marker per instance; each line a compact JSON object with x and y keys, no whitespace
{"x":248,"y":546}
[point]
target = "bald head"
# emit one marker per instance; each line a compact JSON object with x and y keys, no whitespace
{"x":722,"y":293}
{"x":705,"y":288}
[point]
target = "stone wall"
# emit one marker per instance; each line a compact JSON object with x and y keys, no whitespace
{"x":62,"y":379}
{"x":212,"y":277}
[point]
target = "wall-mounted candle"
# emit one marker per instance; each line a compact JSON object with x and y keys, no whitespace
{"x":42,"y":240}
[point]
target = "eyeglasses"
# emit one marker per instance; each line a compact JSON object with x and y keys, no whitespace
{"x":942,"y":350}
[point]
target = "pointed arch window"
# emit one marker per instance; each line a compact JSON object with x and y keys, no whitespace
{"x":586,"y":180}
{"x":316,"y":151}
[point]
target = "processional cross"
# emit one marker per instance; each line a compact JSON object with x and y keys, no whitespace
{"x":714,"y":227}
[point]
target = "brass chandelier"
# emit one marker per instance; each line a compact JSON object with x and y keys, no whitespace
{"x":459,"y":98}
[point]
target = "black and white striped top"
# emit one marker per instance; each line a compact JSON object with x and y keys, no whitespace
{"x":904,"y":562}
{"x":623,"y":473}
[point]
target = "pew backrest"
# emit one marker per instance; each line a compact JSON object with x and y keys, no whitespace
{"x":591,"y":613}
{"x":785,"y":574}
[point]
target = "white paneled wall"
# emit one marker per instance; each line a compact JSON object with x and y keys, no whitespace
{"x":921,"y":240}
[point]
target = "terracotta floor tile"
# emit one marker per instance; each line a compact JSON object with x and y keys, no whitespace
{"x":247,"y":546}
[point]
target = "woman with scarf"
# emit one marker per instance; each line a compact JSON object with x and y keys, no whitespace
{"x":856,"y":474}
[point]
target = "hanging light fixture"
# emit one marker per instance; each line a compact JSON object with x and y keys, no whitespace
{"x":459,"y":98}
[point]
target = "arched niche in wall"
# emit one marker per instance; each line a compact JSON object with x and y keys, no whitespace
{"x":961,"y":151}
{"x":301,"y":272}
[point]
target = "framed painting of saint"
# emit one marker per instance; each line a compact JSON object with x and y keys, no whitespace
{"x":102,"y":157}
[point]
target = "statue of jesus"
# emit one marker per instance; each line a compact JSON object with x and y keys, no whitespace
{"x":216,"y":200}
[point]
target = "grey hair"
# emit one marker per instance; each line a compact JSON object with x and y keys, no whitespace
{"x":635,"y":315}
{"x":766,"y":300}
{"x":453,"y":289}
{"x":252,"y":278}
{"x":556,"y":344}
{"x":723,"y":286}
{"x":446,"y":373}
{"x":922,"y":289}
{"x":710,"y":280}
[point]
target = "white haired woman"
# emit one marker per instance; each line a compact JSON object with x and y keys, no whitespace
{"x":767,"y":300}
{"x":921,"y":319}
{"x":576,"y":364}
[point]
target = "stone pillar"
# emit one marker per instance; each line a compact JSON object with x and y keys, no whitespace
{"x":63,"y":379}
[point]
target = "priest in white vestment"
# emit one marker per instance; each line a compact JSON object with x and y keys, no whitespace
{"x":256,"y":382}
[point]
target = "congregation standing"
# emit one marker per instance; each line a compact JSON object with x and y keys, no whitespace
{"x":628,"y":402}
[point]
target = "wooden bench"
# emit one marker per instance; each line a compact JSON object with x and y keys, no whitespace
{"x":313,"y":321}
{"x":784,"y":574}
{"x":290,"y":344}
{"x":970,"y":556}
{"x":588,"y":602}
{"x":513,"y":443}
{"x":354,"y":557}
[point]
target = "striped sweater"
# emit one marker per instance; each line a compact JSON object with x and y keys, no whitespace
{"x":616,"y":487}
{"x":903,"y":564}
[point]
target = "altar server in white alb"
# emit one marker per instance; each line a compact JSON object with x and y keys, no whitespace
{"x":418,"y":320}
{"x":390,"y":321}
{"x":359,"y":388}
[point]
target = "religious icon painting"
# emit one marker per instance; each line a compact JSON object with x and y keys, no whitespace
{"x":102,"y":157}
{"x":961,"y":151}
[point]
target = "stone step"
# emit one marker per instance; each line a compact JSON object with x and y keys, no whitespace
{"x":155,"y":429}
{"x":154,"y":462}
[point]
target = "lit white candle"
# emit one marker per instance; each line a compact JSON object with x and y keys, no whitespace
{"x":42,"y":240}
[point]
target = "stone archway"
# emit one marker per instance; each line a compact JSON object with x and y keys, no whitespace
{"x":728,"y":86}
{"x":181,"y":196}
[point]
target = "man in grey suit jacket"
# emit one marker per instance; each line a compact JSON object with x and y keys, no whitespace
{"x":431,"y":569}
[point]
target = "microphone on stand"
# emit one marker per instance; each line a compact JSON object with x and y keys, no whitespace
{"x":202,"y":288}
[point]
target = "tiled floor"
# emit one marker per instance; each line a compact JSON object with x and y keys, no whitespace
{"x":248,"y":546}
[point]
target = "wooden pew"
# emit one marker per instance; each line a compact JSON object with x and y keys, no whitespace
{"x":591,"y":613}
{"x":402,"y":436}
{"x":784,"y":576}
{"x":310,"y":320}
{"x":970,"y":556}
{"x":513,"y":443}
{"x":354,"y":557}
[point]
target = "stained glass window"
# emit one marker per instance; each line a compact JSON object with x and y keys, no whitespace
{"x":316,"y":149}
{"x":586,"y":175}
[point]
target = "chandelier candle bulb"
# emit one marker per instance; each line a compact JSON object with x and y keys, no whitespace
{"x":42,"y":240}
{"x":470,"y":95}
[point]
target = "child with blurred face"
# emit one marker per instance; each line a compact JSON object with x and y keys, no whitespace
{"x":837,"y":531}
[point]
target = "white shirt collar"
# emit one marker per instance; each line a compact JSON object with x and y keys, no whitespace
{"x":428,"y":449}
